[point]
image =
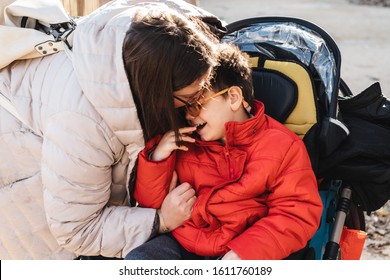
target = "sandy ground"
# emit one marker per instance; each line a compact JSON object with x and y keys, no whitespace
{"x":362,"y":34}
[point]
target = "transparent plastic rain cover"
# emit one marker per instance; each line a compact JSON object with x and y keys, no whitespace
{"x":305,"y":44}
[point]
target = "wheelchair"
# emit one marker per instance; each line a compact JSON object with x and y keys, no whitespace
{"x":296,"y":74}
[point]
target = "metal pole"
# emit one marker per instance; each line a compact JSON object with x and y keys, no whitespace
{"x":332,"y":248}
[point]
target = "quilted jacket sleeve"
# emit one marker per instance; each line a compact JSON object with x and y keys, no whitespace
{"x":294,"y":211}
{"x":77,"y":179}
{"x":153,"y":177}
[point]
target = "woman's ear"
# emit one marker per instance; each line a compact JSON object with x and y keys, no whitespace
{"x":235,"y":96}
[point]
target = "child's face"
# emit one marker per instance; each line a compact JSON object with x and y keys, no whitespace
{"x":211,"y":120}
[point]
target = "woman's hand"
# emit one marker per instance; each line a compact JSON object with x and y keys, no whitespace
{"x":177,"y":205}
{"x":231,"y":255}
{"x":167,"y":143}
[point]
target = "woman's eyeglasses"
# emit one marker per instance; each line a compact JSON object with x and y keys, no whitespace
{"x":194,"y":107}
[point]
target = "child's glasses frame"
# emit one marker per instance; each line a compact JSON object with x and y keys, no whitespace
{"x":196,"y":106}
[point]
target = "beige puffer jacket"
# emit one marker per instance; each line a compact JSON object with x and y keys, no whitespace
{"x":63,"y":175}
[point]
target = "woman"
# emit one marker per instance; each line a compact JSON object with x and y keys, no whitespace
{"x":64,"y":171}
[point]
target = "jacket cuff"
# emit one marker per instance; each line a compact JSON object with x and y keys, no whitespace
{"x":155,"y":227}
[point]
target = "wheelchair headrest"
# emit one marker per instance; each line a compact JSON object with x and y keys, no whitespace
{"x":277,"y":91}
{"x":287,"y":91}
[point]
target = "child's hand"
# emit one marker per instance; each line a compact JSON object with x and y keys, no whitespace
{"x":168,"y":143}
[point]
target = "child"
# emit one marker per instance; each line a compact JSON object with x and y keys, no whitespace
{"x":257,"y":196}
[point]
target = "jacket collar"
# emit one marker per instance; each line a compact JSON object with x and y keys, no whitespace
{"x":241,"y":133}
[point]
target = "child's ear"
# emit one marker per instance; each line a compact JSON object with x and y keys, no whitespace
{"x":235,"y":96}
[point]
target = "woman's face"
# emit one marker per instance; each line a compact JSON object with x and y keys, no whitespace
{"x":191,"y":92}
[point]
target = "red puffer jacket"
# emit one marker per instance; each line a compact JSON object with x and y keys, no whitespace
{"x":257,"y":194}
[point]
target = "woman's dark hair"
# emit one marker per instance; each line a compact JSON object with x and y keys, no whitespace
{"x":164,"y":52}
{"x":233,"y":70}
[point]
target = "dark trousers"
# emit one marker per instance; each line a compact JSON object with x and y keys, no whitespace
{"x":165,"y":247}
{"x":161,"y":247}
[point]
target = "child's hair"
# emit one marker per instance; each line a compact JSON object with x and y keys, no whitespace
{"x":233,"y":70}
{"x":164,"y":52}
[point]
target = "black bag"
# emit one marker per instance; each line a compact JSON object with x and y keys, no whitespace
{"x":363,"y":160}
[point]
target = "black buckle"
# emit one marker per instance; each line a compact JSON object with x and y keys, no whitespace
{"x":60,"y":31}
